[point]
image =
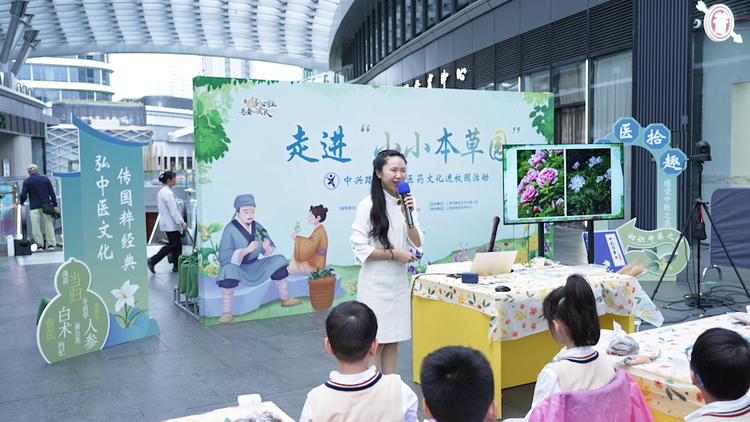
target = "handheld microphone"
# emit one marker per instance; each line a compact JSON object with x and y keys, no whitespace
{"x":403,"y":189}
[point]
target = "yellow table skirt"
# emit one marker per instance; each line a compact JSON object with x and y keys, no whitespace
{"x":514,"y":362}
{"x":661,"y":417}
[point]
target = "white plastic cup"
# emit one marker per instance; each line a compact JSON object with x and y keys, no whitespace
{"x":249,"y":405}
{"x":538,"y":261}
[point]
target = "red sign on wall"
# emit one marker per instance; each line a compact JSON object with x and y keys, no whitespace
{"x":719,"y":22}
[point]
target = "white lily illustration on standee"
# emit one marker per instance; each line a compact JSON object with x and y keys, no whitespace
{"x":126,"y":298}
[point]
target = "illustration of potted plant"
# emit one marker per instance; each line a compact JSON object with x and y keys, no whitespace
{"x":209,"y":251}
{"x":322,"y":284}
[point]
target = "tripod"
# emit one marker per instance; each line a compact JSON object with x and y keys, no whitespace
{"x":699,"y":203}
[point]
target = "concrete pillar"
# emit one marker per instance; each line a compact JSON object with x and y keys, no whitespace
{"x":16,"y":148}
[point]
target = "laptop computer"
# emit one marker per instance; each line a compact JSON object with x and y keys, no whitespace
{"x":493,"y":263}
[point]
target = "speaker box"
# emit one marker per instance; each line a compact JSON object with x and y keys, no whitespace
{"x":22,"y":247}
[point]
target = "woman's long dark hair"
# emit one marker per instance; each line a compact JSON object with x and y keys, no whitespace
{"x":575,"y":306}
{"x":378,"y":213}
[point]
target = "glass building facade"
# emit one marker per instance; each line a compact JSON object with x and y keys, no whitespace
{"x":80,"y":77}
{"x":603,"y":60}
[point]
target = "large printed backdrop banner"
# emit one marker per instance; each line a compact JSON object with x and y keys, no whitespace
{"x":287,"y":147}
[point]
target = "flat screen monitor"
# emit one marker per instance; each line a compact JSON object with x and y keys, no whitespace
{"x":549,"y":183}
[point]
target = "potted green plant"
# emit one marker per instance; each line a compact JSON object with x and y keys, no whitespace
{"x":322,"y":284}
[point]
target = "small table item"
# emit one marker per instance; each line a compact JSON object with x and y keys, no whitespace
{"x":232,"y":413}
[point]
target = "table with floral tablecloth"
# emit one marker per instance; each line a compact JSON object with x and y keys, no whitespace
{"x":518,"y":313}
{"x":232,"y":413}
{"x":666,"y":386}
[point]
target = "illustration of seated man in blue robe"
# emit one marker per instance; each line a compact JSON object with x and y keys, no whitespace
{"x":242,"y":242}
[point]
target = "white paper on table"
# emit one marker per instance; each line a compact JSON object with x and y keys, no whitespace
{"x":449,"y":268}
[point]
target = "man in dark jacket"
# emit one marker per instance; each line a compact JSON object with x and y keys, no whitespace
{"x":38,"y":188}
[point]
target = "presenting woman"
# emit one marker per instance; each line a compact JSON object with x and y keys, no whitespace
{"x":170,"y":221}
{"x":381,"y":242}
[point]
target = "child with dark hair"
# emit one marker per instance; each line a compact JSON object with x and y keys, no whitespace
{"x":381,"y":241}
{"x":458,"y":386}
{"x":574,"y":323}
{"x":357,"y":392}
{"x":720,"y":368}
{"x":310,"y":252}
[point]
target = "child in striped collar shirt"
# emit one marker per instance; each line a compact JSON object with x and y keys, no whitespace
{"x":458,"y":386}
{"x":720,"y":368}
{"x":573,"y":322}
{"x":357,"y":392}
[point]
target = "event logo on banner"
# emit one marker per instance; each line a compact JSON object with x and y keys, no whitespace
{"x":282,"y":167}
{"x":104,"y":226}
{"x":650,"y":249}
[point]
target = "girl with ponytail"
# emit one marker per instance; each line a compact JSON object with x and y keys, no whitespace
{"x":574,"y":323}
{"x":381,"y":241}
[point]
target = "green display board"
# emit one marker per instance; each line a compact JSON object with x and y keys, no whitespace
{"x":105,"y":227}
{"x":653,"y":248}
{"x":76,"y":321}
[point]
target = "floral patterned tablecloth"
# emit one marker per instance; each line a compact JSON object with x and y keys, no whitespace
{"x":231,"y":414}
{"x":666,"y":386}
{"x":518,"y":313}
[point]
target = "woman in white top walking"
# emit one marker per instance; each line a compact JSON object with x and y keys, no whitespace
{"x":381,"y":242}
{"x":170,"y":221}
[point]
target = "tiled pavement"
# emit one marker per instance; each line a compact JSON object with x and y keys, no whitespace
{"x":188,"y":368}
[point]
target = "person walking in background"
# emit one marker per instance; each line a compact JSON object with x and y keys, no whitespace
{"x":381,"y":242}
{"x":170,"y":221}
{"x":38,"y":188}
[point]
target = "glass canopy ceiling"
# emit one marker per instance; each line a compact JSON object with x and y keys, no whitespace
{"x":292,"y":32}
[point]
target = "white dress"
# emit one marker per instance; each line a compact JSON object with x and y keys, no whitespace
{"x":384,"y":285}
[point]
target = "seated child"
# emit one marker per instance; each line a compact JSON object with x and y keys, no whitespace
{"x":310,"y":252}
{"x":357,"y":392}
{"x":720,"y":368}
{"x":458,"y":386}
{"x":573,"y":322}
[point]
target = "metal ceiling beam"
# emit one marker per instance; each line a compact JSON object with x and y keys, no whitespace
{"x":29,"y":41}
{"x":295,"y":32}
{"x":17,"y":10}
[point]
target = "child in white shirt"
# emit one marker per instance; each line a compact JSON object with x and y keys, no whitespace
{"x":357,"y":392}
{"x":458,"y":386}
{"x":720,"y":368}
{"x":573,"y":322}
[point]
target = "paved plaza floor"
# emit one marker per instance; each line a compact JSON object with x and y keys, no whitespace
{"x":189,"y":368}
